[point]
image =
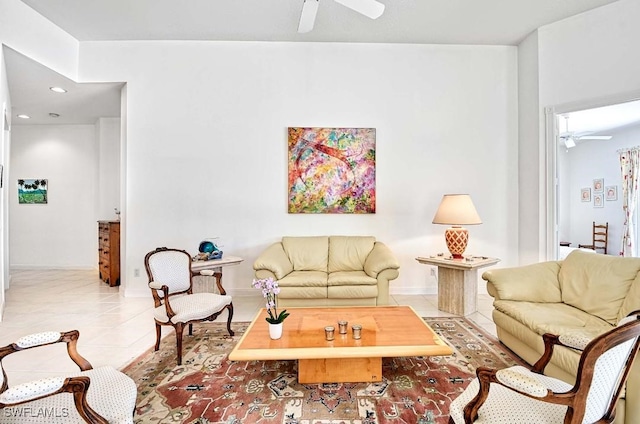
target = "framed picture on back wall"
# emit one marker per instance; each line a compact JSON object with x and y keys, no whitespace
{"x":598,"y":200}
{"x":611,"y":192}
{"x":598,"y":185}
{"x":585,"y":194}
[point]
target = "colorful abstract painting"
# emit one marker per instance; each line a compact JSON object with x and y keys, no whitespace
{"x":332,"y":170}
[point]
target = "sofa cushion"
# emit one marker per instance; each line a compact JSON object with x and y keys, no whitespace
{"x":303,"y":293}
{"x":349,"y":253}
{"x":351,"y":278}
{"x":555,"y":318}
{"x":531,"y":283}
{"x":307,"y":253}
{"x":597,"y":284}
{"x":304,"y":279}
{"x":352,"y":292}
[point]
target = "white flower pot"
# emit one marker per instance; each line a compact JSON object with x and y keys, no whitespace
{"x":275,"y":331}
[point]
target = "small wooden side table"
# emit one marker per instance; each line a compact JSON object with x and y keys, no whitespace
{"x":458,"y":282}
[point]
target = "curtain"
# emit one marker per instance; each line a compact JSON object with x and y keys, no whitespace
{"x":630,"y":167}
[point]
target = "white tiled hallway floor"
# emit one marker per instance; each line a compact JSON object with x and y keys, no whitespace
{"x":114,"y":330}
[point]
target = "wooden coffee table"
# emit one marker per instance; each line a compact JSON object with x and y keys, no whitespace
{"x":387,"y":331}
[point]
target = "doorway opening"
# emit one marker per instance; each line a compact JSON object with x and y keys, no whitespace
{"x":585,"y":180}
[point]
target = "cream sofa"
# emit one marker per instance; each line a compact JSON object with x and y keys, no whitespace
{"x":585,"y":294}
{"x":329,"y":270}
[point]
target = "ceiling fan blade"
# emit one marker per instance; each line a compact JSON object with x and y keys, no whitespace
{"x":370,"y":8}
{"x":595,"y":137}
{"x":308,"y":15}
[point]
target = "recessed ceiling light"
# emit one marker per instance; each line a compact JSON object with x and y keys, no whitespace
{"x":23,"y":116}
{"x":58,"y":89}
{"x":54,"y":115}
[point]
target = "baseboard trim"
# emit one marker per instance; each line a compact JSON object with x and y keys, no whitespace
{"x":45,"y":267}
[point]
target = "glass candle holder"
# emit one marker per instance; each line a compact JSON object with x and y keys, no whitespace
{"x":357,"y":331}
{"x":342,"y":327}
{"x":329,"y":332}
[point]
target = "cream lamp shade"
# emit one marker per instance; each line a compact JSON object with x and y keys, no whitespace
{"x":456,"y":210}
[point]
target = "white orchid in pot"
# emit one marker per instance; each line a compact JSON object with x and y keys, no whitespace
{"x":270,"y":291}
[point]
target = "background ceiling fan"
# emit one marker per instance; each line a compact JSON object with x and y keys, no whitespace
{"x":370,"y":8}
{"x":570,"y":137}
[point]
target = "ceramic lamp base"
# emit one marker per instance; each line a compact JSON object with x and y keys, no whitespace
{"x":457,"y":238}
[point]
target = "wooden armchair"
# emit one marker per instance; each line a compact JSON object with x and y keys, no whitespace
{"x":519,"y":395}
{"x":98,"y":396}
{"x":171,"y":284}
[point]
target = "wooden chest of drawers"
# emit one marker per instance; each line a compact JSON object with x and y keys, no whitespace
{"x":109,"y":252}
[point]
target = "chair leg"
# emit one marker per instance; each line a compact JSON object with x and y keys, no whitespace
{"x":190,"y":329}
{"x":158,"y":332}
{"x":230,"y":309}
{"x":179,"y":329}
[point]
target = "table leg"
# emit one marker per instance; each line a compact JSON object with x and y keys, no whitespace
{"x":457,"y":290}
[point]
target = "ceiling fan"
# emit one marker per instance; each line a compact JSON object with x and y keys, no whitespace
{"x":370,"y":8}
{"x":569,"y":137}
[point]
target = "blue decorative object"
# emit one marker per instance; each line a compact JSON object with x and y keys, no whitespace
{"x":209,"y":250}
{"x":207,"y":247}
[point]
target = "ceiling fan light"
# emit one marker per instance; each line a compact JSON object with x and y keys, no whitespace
{"x":308,"y":16}
{"x":569,"y":142}
{"x":370,"y":8}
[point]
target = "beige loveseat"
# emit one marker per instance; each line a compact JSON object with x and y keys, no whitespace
{"x":329,"y":270}
{"x":585,"y":294}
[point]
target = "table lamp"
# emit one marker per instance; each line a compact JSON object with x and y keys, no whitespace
{"x":456,"y":210}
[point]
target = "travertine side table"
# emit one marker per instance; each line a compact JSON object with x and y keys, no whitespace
{"x":458,"y":281}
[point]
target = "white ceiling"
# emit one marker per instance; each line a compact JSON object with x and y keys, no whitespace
{"x":493,"y":22}
{"x":501,"y":22}
{"x":29,"y":84}
{"x":601,"y":120}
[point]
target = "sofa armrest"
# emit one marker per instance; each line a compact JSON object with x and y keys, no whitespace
{"x":380,"y":259}
{"x":273,"y":260}
{"x":530,"y":283}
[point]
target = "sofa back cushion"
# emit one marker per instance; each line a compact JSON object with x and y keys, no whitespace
{"x":307,"y":253}
{"x":529,"y":283}
{"x":597,"y":284}
{"x":348,"y":253}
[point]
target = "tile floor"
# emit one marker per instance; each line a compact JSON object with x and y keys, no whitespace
{"x":113,"y":329}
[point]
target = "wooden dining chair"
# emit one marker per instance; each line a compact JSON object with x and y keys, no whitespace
{"x":599,"y":238}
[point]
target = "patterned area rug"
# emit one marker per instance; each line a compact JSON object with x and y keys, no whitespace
{"x":208,"y":388}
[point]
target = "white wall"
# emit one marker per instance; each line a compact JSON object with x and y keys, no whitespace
{"x":206,"y":143}
{"x":63,"y":232}
{"x":591,"y":55}
{"x":108,"y":194}
{"x":529,"y":158}
{"x":582,"y":59}
{"x":5,"y":145}
{"x":589,"y":160}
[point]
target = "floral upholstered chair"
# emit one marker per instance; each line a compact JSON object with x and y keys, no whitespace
{"x":170,"y":280}
{"x":98,"y":396}
{"x":519,"y":395}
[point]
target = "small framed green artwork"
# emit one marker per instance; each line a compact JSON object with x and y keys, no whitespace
{"x":32,"y":191}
